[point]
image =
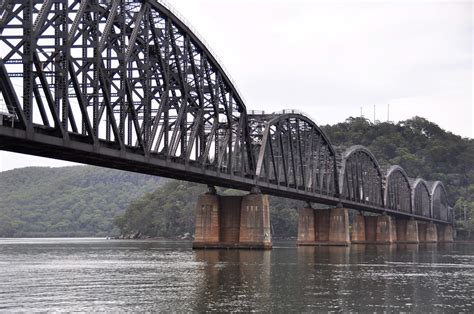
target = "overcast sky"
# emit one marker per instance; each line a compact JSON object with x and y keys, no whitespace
{"x":330,"y":58}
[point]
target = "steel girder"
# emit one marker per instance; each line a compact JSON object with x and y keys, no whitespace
{"x":439,"y":202}
{"x":421,"y":198}
{"x":360,"y":177}
{"x":397,"y":189}
{"x":293,"y":151}
{"x":126,"y":74}
{"x":126,"y":84}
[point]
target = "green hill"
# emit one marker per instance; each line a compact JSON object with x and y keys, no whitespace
{"x":67,"y":201}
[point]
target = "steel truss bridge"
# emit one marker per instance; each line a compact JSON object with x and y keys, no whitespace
{"x":128,"y":85}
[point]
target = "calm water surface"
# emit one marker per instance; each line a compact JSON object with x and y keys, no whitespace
{"x":113,"y":275}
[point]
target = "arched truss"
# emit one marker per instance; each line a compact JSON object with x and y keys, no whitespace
{"x":294,"y":152}
{"x":439,"y":202}
{"x":397,"y":190}
{"x":360,"y":177}
{"x":421,"y":199}
{"x":125,"y":74}
{"x":126,"y":84}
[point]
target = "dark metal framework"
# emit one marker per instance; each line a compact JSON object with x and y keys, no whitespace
{"x":294,"y":152}
{"x":125,"y":74}
{"x":397,"y":190}
{"x":126,"y":84}
{"x":421,"y":198}
{"x":360,"y":177}
{"x":439,"y":202}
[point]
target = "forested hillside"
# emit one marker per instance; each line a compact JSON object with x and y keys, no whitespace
{"x":421,"y":147}
{"x":68,"y":201}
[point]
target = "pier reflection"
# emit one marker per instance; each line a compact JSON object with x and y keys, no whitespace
{"x":397,"y":277}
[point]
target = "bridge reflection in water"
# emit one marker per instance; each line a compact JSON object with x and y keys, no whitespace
{"x":94,"y":275}
{"x":400,"y":277}
{"x":127,"y":84}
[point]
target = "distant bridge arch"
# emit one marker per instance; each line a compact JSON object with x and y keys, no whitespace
{"x":296,"y":153}
{"x":360,"y":176}
{"x":439,"y":201}
{"x":421,"y":198}
{"x":397,"y":193}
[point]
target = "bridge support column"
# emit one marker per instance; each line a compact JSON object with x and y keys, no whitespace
{"x":306,"y":232}
{"x":384,"y":230}
{"x":445,"y":233}
{"x":422,"y":232}
{"x":407,"y":231}
{"x":393,"y":222}
{"x":232,"y":221}
{"x":358,"y":229}
{"x":255,"y":221}
{"x":427,"y":233}
{"x":371,"y":229}
{"x":375,"y":229}
{"x":431,"y":233}
{"x":339,"y":227}
{"x":322,"y":218}
{"x":207,"y":225}
{"x":323,"y":227}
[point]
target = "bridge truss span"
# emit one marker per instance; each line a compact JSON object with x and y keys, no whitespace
{"x":397,"y":190}
{"x":127,"y":84}
{"x":126,"y":75}
{"x":360,"y":177}
{"x":293,"y":151}
{"x":439,"y":202}
{"x":421,"y":198}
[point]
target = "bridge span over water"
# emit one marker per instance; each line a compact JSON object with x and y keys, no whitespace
{"x":129,"y":85}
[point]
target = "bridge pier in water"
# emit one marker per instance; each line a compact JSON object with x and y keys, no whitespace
{"x":407,"y":231}
{"x":323,"y":227}
{"x":427,"y":232}
{"x":374,"y":229}
{"x":445,"y":233}
{"x":240,"y":222}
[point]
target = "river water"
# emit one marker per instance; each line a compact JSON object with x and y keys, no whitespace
{"x":114,"y":275}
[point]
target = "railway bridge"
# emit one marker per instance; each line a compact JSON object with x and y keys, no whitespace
{"x":129,"y":85}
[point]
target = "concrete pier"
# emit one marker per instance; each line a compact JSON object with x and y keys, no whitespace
{"x":207,"y":226}
{"x":255,"y":221}
{"x":306,"y":232}
{"x":431,"y":233}
{"x":385,"y":232}
{"x":339,"y":227}
{"x":445,"y":233}
{"x":323,"y":227}
{"x":407,"y":231}
{"x":427,"y":233}
{"x":230,"y":219}
{"x":370,"y":229}
{"x":232,"y":222}
{"x":375,"y":229}
{"x":358,"y":229}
